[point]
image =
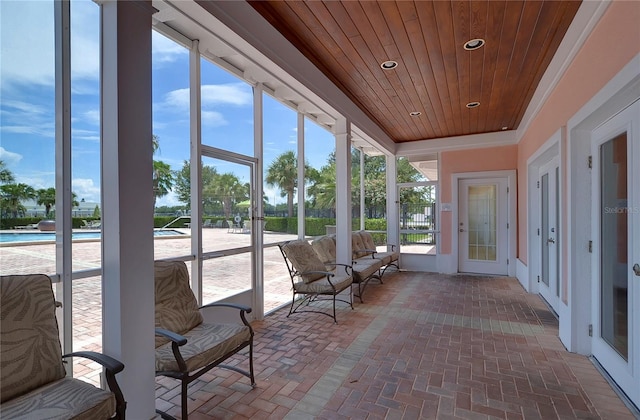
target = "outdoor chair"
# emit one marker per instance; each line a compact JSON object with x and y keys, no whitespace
{"x":364,"y":269}
{"x":186,"y":346}
{"x":388,"y":258}
{"x":312,"y":280}
{"x":207,"y":223}
{"x":33,"y":381}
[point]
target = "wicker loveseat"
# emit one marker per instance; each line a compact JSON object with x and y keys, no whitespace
{"x":33,"y":381}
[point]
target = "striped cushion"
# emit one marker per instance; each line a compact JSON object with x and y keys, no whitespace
{"x":66,"y":398}
{"x":325,"y":247}
{"x":30,"y":353}
{"x":340,"y":281}
{"x":176,"y":306}
{"x":304,"y":259}
{"x":205,"y":343}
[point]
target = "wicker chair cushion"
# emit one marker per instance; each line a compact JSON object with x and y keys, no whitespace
{"x":66,"y":398}
{"x":304,"y":259}
{"x":357,"y":246}
{"x":386,"y":257}
{"x":30,"y":352}
{"x":322,"y":286}
{"x":364,"y":268}
{"x":205,"y":343}
{"x":325,"y":247}
{"x":176,"y":306}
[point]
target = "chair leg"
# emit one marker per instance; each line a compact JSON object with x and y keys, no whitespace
{"x":185,"y":411}
{"x":253,"y":380}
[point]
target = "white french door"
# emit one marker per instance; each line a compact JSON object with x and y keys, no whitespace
{"x":615,"y":150}
{"x":549,"y":201}
{"x":482,"y":226}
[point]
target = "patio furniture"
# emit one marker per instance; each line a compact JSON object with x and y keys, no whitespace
{"x":33,"y":381}
{"x":311,"y":279}
{"x":364,"y":268}
{"x":388,"y":258}
{"x":207,"y":224}
{"x":186,"y":346}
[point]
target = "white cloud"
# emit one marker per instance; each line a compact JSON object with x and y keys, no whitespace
{"x":213,"y":118}
{"x":27,"y":118}
{"x":27,"y":32}
{"x":85,"y":188}
{"x":9,"y":158}
{"x":92,"y":117}
{"x":165,"y":50}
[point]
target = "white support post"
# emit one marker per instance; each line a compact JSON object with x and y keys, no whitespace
{"x":393,"y":216}
{"x":343,"y":191}
{"x":362,"y":209}
{"x":63,"y":171}
{"x":195,"y":130}
{"x":127,"y":200}
{"x":301,"y":174}
{"x":258,"y":214}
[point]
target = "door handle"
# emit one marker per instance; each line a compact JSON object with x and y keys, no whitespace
{"x":636,"y":269}
{"x":551,"y":241}
{"x":461,"y":230}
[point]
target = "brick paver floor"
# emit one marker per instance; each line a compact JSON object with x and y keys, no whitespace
{"x":421,"y":346}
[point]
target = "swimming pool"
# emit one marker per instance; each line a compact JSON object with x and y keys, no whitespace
{"x":40,"y":237}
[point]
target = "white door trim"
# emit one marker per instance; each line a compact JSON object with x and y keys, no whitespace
{"x":511,"y":213}
{"x":548,"y":151}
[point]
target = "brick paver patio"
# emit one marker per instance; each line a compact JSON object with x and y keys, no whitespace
{"x":421,"y":346}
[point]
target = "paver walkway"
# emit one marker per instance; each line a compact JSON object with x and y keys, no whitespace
{"x":421,"y":346}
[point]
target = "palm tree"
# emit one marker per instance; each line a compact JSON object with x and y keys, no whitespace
{"x":12,"y":196}
{"x":227,"y":190}
{"x":46,"y":197}
{"x":6,"y":176}
{"x":162,"y":174}
{"x":283,"y":173}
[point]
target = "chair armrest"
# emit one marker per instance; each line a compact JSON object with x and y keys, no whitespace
{"x":108,"y":362}
{"x":242,"y":308}
{"x":112,"y":367}
{"x":174,"y":337}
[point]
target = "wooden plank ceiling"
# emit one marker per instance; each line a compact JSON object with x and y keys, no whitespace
{"x":436,"y":76}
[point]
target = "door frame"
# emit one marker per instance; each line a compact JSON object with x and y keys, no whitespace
{"x":546,"y":168}
{"x":602,"y":351}
{"x":510,"y":175}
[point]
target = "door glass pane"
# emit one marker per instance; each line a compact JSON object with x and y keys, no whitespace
{"x":482,"y":222}
{"x":614,"y":242}
{"x":544,"y":229}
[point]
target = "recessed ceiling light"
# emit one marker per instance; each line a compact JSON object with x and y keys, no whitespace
{"x":505,"y":128}
{"x":473,"y":104}
{"x":389,"y":65}
{"x":415,"y":113}
{"x":473,"y":44}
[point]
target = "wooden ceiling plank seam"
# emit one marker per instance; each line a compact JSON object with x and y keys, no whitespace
{"x":541,"y":40}
{"x":420,"y":54}
{"x":527,"y":24}
{"x":461,"y":35}
{"x":561,"y":30}
{"x":324,"y":17}
{"x":495,"y":19}
{"x":383,"y":29}
{"x":505,"y":51}
{"x":385,"y":78}
{"x":477,"y":29}
{"x":445,"y":31}
{"x":427,"y":16}
{"x":422,"y":102}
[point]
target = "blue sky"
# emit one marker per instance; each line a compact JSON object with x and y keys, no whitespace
{"x":27,"y":120}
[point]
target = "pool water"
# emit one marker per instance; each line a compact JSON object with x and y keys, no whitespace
{"x":51,"y":237}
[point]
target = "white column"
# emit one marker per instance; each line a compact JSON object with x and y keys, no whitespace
{"x":393,"y":218}
{"x":301,"y":159}
{"x":343,"y":191}
{"x":64,"y":226}
{"x":195,"y":130}
{"x":127,"y":200}
{"x":362,"y":201}
{"x":258,"y":193}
